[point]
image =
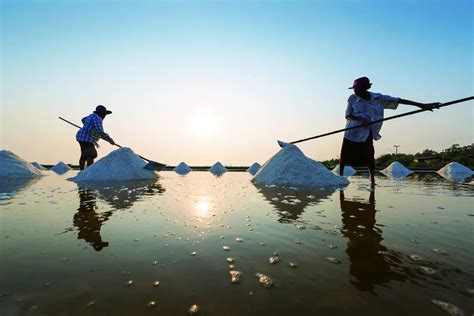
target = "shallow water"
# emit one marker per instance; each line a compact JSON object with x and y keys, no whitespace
{"x":144,"y":248}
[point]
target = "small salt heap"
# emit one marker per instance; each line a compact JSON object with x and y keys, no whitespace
{"x":455,"y":172}
{"x":182,"y":169}
{"x":120,"y":165}
{"x":218,"y":169}
{"x":396,"y":170}
{"x":348,"y":170}
{"x":12,"y":166}
{"x":38,"y":166}
{"x":291,"y":167}
{"x":61,"y":168}
{"x":254,"y":168}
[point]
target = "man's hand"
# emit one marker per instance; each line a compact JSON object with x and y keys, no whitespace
{"x":365,"y":122}
{"x":430,"y":106}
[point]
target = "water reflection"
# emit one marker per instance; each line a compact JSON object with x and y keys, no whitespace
{"x":119,"y":195}
{"x":9,"y":187}
{"x":88,"y":221}
{"x":290,"y":203}
{"x":373,"y":264}
{"x":366,"y":253}
{"x":123,"y":194}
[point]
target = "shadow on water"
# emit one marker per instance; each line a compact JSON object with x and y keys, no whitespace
{"x":290,"y":203}
{"x":372,"y":264}
{"x":120,"y":195}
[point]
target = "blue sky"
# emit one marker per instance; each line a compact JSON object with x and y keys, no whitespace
{"x":202,"y":81}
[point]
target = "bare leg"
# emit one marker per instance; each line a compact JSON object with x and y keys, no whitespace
{"x":90,"y":161}
{"x":82,"y":164}
{"x":341,"y":168}
{"x":371,"y":166}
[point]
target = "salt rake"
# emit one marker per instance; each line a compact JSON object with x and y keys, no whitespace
{"x":283,"y":144}
{"x":151,"y":165}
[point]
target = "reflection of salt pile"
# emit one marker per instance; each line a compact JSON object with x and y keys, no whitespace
{"x":12,"y":166}
{"x":120,"y":165}
{"x":218,"y":169}
{"x":38,"y":166}
{"x":396,"y":170}
{"x":182,"y":168}
{"x":348,"y":170}
{"x":254,"y":168}
{"x":61,"y":168}
{"x":291,"y":167}
{"x":455,"y":172}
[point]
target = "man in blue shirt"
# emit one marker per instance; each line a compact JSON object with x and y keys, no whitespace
{"x":89,"y":135}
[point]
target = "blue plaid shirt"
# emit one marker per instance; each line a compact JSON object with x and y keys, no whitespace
{"x":92,"y":130}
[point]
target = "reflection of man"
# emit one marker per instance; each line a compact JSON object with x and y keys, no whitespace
{"x":367,"y":264}
{"x":88,"y":221}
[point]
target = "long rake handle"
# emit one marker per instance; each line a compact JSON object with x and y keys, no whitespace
{"x":381,"y":120}
{"x":114,"y":144}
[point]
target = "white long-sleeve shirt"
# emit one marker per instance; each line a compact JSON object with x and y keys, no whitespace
{"x":371,"y":110}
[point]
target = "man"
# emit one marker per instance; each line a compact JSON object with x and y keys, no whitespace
{"x":89,"y":135}
{"x":364,"y":107}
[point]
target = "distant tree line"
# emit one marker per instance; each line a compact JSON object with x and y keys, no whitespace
{"x":428,"y":158}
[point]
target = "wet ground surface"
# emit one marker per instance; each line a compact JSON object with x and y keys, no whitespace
{"x":157,"y":248}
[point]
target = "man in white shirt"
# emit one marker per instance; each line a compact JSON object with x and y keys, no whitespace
{"x":364,"y":107}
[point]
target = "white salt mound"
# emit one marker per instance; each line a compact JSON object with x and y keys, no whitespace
{"x":396,"y":170}
{"x":348,"y":170}
{"x":61,"y":168}
{"x":455,"y":172}
{"x":182,"y":168}
{"x":254,"y":168}
{"x":12,"y":166}
{"x":218,"y":169}
{"x":38,"y":166}
{"x":120,"y":165}
{"x":291,"y":167}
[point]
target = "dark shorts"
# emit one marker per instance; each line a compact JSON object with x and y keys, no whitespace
{"x":357,"y":154}
{"x":88,"y":151}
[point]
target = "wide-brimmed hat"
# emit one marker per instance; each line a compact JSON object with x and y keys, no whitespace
{"x":361,"y":83}
{"x":100,"y":109}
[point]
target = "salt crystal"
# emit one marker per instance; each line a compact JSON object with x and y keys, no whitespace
{"x":182,"y":169}
{"x":396,"y":170}
{"x":61,"y":168}
{"x":264,"y":280}
{"x":455,"y":172}
{"x":427,"y":270}
{"x":235,"y":276}
{"x":439,"y":251}
{"x":449,"y":308}
{"x":12,"y":166}
{"x":348,"y":170}
{"x":274,"y":259}
{"x":38,"y":166}
{"x":218,"y":169}
{"x":291,"y":167}
{"x":254,"y":168}
{"x":193,"y":310}
{"x":333,"y":260}
{"x":120,"y":165}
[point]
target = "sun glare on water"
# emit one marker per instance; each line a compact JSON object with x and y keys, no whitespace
{"x":203,"y":206}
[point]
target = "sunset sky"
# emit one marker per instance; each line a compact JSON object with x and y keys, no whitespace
{"x":202,"y":81}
